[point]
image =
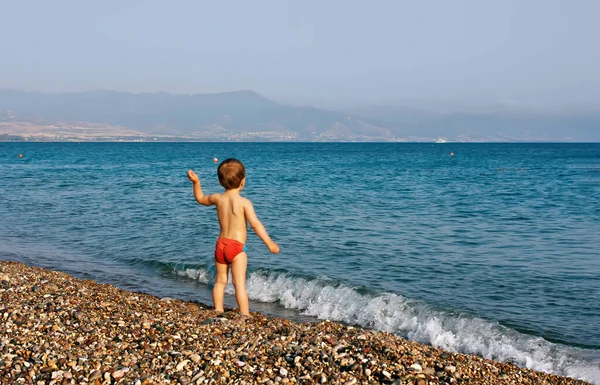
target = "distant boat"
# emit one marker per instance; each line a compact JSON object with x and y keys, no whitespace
{"x":440,"y":140}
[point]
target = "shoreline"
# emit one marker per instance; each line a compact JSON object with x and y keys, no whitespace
{"x":57,"y":329}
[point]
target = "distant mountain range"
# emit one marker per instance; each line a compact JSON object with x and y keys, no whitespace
{"x":249,"y":112}
{"x":498,"y":123}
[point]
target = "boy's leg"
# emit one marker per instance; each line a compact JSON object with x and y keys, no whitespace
{"x":238,"y":277}
{"x":222,"y":273}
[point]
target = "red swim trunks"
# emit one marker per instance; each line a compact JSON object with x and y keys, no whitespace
{"x":227,"y":249}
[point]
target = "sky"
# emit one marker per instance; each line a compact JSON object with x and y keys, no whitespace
{"x":342,"y":52}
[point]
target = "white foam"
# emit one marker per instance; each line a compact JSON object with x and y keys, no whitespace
{"x":201,"y":275}
{"x":393,"y":313}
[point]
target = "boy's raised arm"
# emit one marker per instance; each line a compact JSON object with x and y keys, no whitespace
{"x":258,"y":227}
{"x":205,"y":200}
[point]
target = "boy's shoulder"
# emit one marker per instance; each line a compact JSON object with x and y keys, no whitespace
{"x":245,"y":201}
{"x":238,"y":198}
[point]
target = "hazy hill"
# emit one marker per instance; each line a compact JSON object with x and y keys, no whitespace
{"x":181,"y":114}
{"x":484,"y":123}
{"x":247,"y":111}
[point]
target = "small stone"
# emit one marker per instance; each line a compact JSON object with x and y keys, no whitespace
{"x":367,"y":372}
{"x":95,"y":375}
{"x":283,"y":372}
{"x":195,"y":358}
{"x":450,"y":369}
{"x":386,"y":373}
{"x":57,"y":374}
{"x":118,"y":374}
{"x":198,"y":376}
{"x":181,"y":365}
{"x":429,"y":371}
{"x":240,"y":363}
{"x":416,"y":368}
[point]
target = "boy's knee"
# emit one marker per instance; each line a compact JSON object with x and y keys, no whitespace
{"x":221,"y":280}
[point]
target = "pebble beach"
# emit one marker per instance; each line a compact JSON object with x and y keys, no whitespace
{"x":57,"y":329}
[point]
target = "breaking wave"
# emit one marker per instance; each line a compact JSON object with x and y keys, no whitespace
{"x":326,"y":299}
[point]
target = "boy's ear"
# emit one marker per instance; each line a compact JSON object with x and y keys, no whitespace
{"x":243,"y":182}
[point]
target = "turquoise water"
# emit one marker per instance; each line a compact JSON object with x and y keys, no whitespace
{"x":493,"y":251}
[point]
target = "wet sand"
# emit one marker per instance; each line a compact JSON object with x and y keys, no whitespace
{"x":57,"y":329}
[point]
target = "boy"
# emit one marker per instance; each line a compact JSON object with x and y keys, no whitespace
{"x":233,"y":212}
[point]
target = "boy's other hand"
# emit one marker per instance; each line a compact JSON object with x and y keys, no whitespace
{"x":274,"y":248}
{"x":193,"y":177}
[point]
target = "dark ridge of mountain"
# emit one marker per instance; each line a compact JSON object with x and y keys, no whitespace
{"x":240,"y":111}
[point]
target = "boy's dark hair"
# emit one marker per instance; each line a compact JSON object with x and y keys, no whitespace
{"x":231,"y":172}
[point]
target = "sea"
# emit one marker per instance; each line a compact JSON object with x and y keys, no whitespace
{"x":488,"y":249}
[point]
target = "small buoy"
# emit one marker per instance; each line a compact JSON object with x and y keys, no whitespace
{"x":451,"y":154}
{"x":20,"y":155}
{"x":215,"y":160}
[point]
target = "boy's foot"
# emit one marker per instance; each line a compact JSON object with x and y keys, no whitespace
{"x":241,"y":319}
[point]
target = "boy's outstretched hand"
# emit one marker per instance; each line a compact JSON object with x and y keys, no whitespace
{"x":193,"y":177}
{"x":274,"y":248}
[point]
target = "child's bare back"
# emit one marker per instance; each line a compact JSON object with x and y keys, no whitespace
{"x":233,"y":211}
